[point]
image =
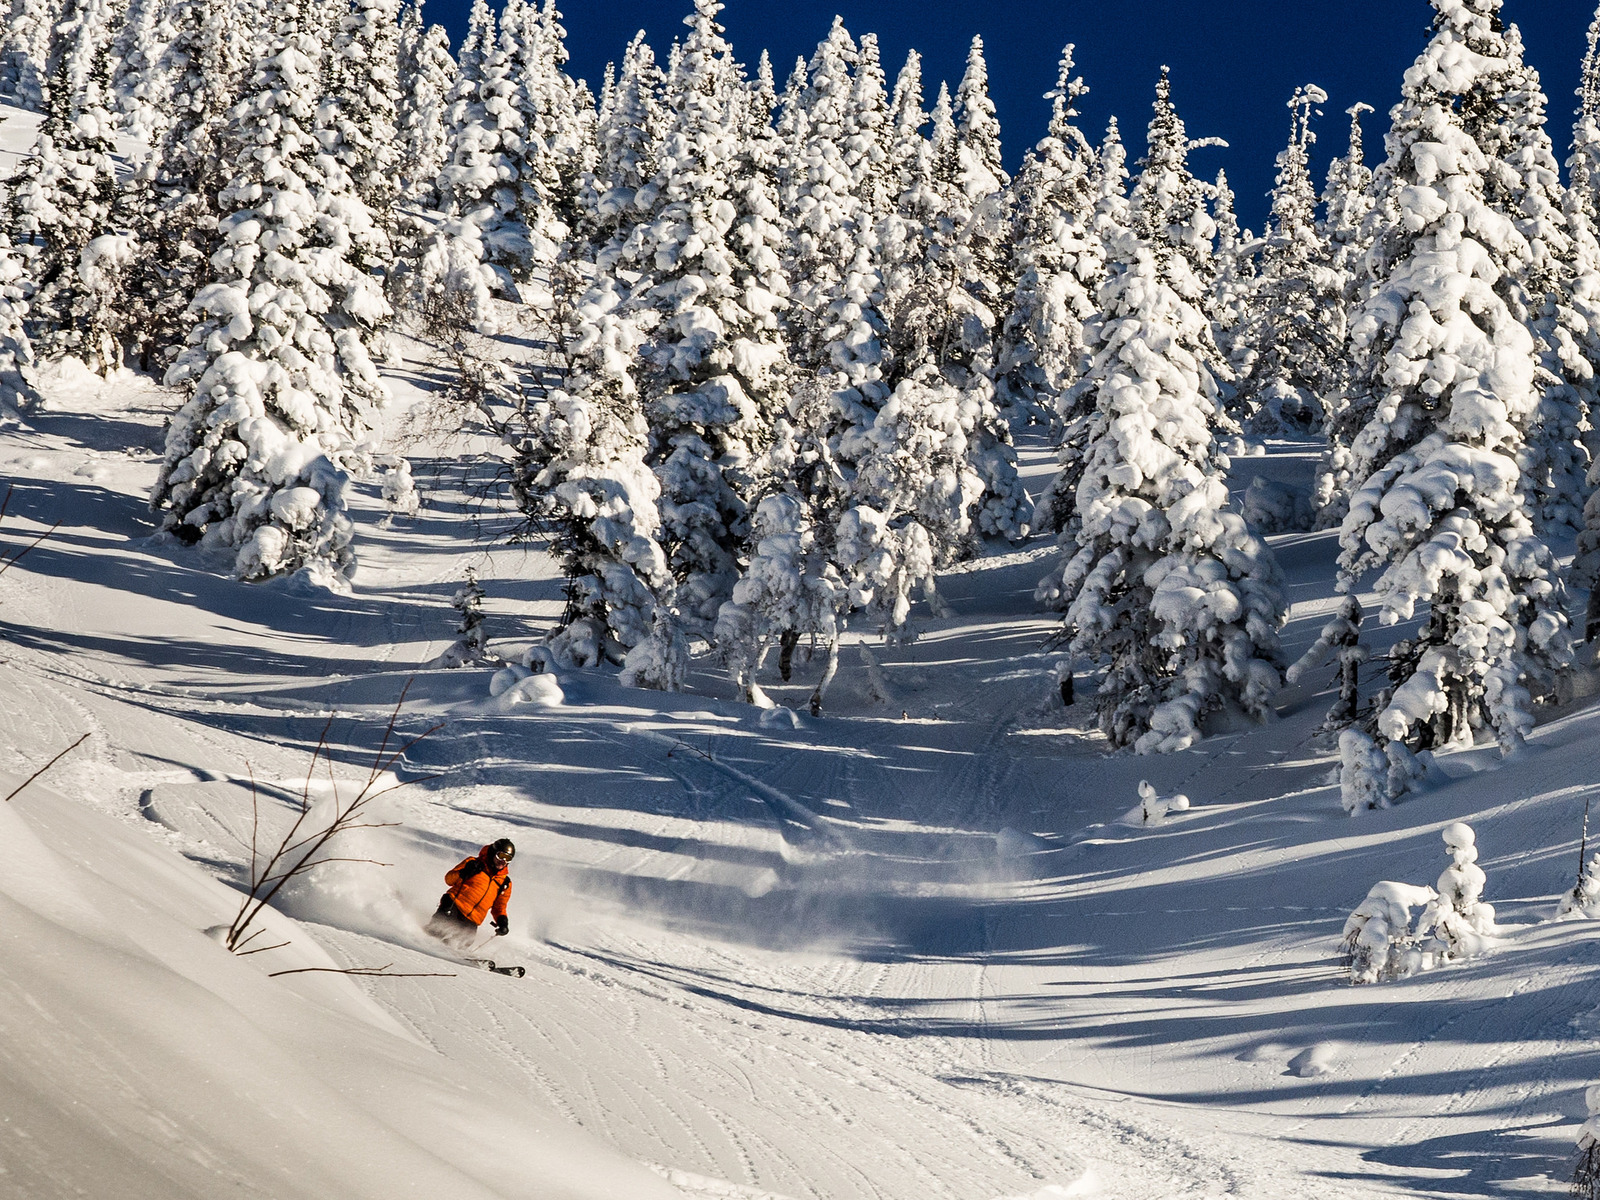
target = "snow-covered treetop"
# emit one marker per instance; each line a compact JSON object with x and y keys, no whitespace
{"x":982,"y":173}
{"x":827,"y":96}
{"x":1064,"y":97}
{"x":479,"y":40}
{"x":1111,"y":204}
{"x":1294,"y":200}
{"x":1347,"y":194}
{"x":1584,"y":165}
{"x":632,"y":127}
{"x":866,"y":146}
{"x":1169,"y":209}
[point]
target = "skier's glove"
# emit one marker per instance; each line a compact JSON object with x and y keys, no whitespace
{"x":472,"y":868}
{"x":502,"y":926}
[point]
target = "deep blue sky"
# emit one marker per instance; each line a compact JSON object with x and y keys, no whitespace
{"x":1234,"y":62}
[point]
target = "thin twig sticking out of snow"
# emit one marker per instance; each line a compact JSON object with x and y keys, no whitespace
{"x":15,"y":558}
{"x":18,"y":789}
{"x":382,"y":971}
{"x":298,"y":853}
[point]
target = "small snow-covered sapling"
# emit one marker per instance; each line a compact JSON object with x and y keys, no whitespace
{"x":1378,"y":936}
{"x":1373,"y":775}
{"x":1461,"y":921}
{"x":1341,"y":640}
{"x":1455,"y":923}
{"x":1155,"y":807}
{"x":472,"y":639}
{"x":468,"y":601}
{"x":1363,"y":772}
{"x":1584,"y":898}
{"x":661,"y":661}
{"x":1063,"y":674}
{"x":400,"y":490}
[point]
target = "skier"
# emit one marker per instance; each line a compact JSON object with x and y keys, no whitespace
{"x":478,"y":886}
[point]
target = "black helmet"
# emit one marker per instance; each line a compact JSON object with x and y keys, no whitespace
{"x":503,"y":850}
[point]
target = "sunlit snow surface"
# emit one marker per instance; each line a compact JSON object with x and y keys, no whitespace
{"x":914,"y":948}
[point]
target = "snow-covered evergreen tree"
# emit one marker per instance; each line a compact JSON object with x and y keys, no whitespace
{"x":1583,"y":222}
{"x":1347,"y":230}
{"x":563,"y":122}
{"x":866,"y":134}
{"x":62,"y":199}
{"x":816,"y":189}
{"x":1057,"y":262}
{"x":877,"y":449}
{"x":629,"y":136}
{"x":520,"y":140}
{"x":1295,"y":326}
{"x":788,"y":590}
{"x":476,"y":45}
{"x":16,"y":352}
{"x":276,"y":361}
{"x":936,"y":254}
{"x":1378,"y":936}
{"x":1110,"y":218}
{"x":481,"y":185}
{"x":1339,"y":640}
{"x":981,"y":182}
{"x":172,"y":205}
{"x":1346,"y":202}
{"x":1168,"y":209}
{"x":1448,"y":374}
{"x":399,"y":489}
{"x":1525,"y":182}
{"x":472,"y":638}
{"x":25,"y":50}
{"x":138,"y":85}
{"x":1111,"y":206}
{"x":1233,"y":282}
{"x":1583,"y":167}
{"x":425,"y":84}
{"x":1164,"y":580}
{"x":1459,"y":923}
{"x":581,"y":472}
{"x":712,"y":372}
{"x":904,"y":142}
{"x":364,"y":96}
{"x":1586,"y":1170}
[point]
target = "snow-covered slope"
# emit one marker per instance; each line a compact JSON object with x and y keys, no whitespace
{"x":913,"y":948}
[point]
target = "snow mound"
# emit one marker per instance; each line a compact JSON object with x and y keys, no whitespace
{"x":1314,"y":1061}
{"x":1153,"y":808}
{"x":516,"y":685}
{"x":778,"y":717}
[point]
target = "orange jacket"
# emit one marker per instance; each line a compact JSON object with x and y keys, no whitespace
{"x":485,"y":891}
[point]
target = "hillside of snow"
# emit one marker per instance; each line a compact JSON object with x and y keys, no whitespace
{"x":921,"y":946}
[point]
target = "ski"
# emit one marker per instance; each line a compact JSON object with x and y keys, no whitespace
{"x":488,"y":964}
